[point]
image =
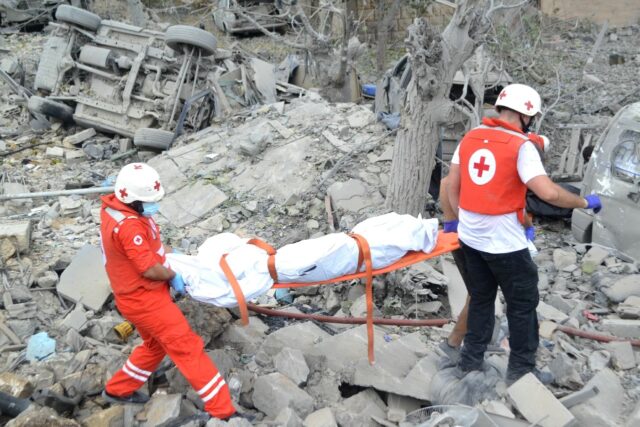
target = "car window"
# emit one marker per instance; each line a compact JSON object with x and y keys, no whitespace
{"x":626,"y":157}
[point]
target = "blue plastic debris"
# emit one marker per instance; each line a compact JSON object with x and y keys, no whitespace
{"x":369,"y":89}
{"x":283,"y":295}
{"x":40,"y":346}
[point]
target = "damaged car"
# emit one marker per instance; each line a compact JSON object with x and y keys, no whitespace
{"x":126,"y":80}
{"x":613,"y":172}
{"x":251,"y":16}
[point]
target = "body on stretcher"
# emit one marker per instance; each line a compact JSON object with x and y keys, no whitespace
{"x":420,"y":241}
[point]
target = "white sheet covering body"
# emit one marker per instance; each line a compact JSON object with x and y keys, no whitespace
{"x":390,"y":237}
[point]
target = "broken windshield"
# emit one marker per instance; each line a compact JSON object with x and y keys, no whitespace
{"x":626,"y":157}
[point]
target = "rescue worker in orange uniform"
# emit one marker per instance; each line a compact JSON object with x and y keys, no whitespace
{"x":491,"y":170}
{"x":140,"y":277}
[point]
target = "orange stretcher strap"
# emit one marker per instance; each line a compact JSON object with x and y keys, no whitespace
{"x":447,"y":242}
{"x":271,"y":262}
{"x":235,"y":286}
{"x":365,"y":256}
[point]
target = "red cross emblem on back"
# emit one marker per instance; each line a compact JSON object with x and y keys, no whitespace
{"x":481,"y":166}
{"x":156,"y":186}
{"x":529,"y":105}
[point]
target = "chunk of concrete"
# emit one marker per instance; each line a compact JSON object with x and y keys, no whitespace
{"x":79,"y":137}
{"x":593,"y":258}
{"x":173,"y":178}
{"x":41,"y":417}
{"x":282,"y":173}
{"x":604,"y":409}
{"x":162,"y":408}
{"x":634,"y":418}
{"x":15,"y":385}
{"x":498,"y":408}
{"x":624,"y":328}
{"x":19,"y":232}
{"x":191,"y":203}
{"x":74,"y":156}
{"x":54,"y":152}
{"x":301,"y":336}
{"x":564,"y":257}
{"x":624,"y":288}
{"x":548,"y":312}
{"x":111,"y":417}
{"x":274,"y":392}
{"x":537,"y":404}
{"x":630,"y":308}
{"x":547,"y":328}
{"x":290,"y":362}
{"x":246,"y":339}
{"x":353,"y":196}
{"x":622,"y":354}
{"x":321,"y":418}
{"x":85,"y":280}
{"x":359,"y":409}
{"x":76,"y":319}
{"x":288,"y":418}
{"x":361,"y":118}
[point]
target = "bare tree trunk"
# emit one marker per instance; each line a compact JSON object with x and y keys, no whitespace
{"x":385,"y":22}
{"x":434,"y":61}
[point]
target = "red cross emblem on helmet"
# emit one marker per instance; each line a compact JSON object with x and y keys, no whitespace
{"x":123,"y":193}
{"x":156,"y":186}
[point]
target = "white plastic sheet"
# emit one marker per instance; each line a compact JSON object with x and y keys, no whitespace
{"x":390,"y":236}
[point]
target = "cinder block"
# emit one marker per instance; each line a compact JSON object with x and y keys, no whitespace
{"x":17,"y":231}
{"x":537,"y":404}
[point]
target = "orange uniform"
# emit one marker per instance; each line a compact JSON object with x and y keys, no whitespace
{"x":131,"y":245}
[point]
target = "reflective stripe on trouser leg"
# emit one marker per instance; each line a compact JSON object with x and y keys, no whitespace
{"x":136,"y":371}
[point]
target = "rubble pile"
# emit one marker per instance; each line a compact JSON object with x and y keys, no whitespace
{"x":286,"y":171}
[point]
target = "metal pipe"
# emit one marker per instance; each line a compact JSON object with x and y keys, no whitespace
{"x":594,"y":336}
{"x":348,"y":320}
{"x":181,"y":77}
{"x":80,"y":191}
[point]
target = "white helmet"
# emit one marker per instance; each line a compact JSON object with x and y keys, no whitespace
{"x":138,"y":182}
{"x":520,"y":98}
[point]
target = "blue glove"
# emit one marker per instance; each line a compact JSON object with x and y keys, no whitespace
{"x":593,"y":202}
{"x":175,"y":251}
{"x":451,"y":226}
{"x":530,"y":232}
{"x":177,"y":283}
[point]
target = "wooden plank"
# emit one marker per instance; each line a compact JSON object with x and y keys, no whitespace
{"x":573,"y":151}
{"x":329,"y":209}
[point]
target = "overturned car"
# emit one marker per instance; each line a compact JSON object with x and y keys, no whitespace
{"x":123,"y":79}
{"x":613,"y":172}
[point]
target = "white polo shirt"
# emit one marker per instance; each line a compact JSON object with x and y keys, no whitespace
{"x":499,"y":234}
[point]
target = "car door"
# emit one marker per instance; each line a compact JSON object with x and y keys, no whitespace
{"x":614,"y":174}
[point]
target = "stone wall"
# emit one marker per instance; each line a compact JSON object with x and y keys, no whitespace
{"x":437,"y":14}
{"x":618,"y":13}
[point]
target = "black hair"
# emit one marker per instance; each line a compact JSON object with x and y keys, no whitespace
{"x":136,"y":205}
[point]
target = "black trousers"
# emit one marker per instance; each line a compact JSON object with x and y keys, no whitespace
{"x":517,"y":276}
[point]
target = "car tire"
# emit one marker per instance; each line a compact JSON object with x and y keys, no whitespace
{"x":156,"y":139}
{"x":181,"y":35}
{"x":50,"y":108}
{"x":80,"y":17}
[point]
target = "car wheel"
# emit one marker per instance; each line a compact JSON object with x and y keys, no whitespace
{"x":156,"y":139}
{"x":80,"y":17}
{"x":185,"y":35}
{"x":50,"y":108}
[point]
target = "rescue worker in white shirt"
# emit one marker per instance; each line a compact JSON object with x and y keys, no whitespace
{"x":491,"y":170}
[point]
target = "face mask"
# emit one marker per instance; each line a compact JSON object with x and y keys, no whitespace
{"x":150,"y":208}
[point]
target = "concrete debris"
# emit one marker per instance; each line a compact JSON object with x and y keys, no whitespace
{"x":321,"y":418}
{"x":537,"y":404}
{"x":260,"y":156}
{"x":85,"y":280}
{"x":274,"y":392}
{"x":15,"y":385}
{"x":290,"y":362}
{"x":605,"y":408}
{"x":622,"y":355}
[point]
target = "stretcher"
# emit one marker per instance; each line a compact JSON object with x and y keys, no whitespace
{"x":447,"y":242}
